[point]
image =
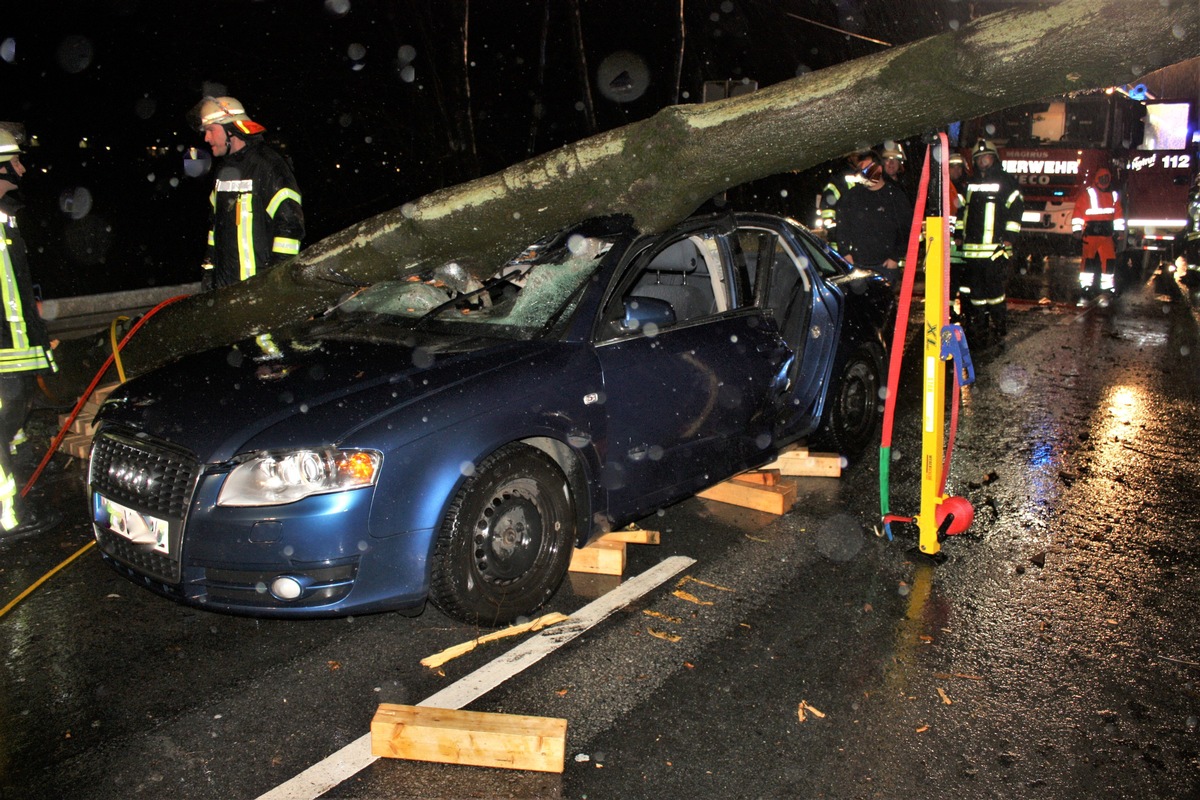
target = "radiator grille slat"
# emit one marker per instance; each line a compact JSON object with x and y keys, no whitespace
{"x":147,"y":475}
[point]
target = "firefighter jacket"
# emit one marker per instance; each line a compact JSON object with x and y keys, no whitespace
{"x":257,"y":218}
{"x":24,"y":343}
{"x":1098,"y":212}
{"x":990,"y":215}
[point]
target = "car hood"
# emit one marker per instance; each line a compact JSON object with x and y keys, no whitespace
{"x":305,"y":389}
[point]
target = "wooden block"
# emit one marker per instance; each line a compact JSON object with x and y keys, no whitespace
{"x":601,"y":557}
{"x":475,"y":738}
{"x":84,"y":423}
{"x":764,"y":477}
{"x":631,"y":536}
{"x":796,"y":463}
{"x":78,"y":445}
{"x":772,"y":499}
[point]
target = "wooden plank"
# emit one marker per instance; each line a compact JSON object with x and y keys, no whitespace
{"x":631,"y":536}
{"x":772,"y":499}
{"x":796,"y":463}
{"x":600,"y":557}
{"x":76,"y":444}
{"x":84,"y":423}
{"x":475,"y":738}
{"x":764,"y":476}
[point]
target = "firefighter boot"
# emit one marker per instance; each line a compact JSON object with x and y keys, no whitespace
{"x":975,"y":325}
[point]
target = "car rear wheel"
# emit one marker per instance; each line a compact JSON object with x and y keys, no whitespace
{"x":506,"y":542}
{"x":852,"y":407}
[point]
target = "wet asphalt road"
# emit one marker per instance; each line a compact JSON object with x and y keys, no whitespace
{"x":1052,"y":655}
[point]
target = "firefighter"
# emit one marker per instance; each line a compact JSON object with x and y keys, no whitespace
{"x":24,"y":347}
{"x":959,"y":290}
{"x":837,"y":187}
{"x":988,"y":222}
{"x":1099,"y":221}
{"x":257,"y":217}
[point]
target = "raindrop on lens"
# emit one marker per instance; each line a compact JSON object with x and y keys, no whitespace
{"x":8,"y":50}
{"x":339,"y":8}
{"x":75,"y":203}
{"x":75,"y":54}
{"x":467,"y":469}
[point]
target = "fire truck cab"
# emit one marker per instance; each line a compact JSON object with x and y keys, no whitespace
{"x":1054,"y":148}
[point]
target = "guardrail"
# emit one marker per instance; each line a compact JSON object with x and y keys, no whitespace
{"x":76,"y":317}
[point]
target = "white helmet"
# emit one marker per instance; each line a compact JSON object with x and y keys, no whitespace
{"x":224,"y":111}
{"x":10,"y":148}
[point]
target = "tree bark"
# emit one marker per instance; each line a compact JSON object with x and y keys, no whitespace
{"x":661,"y":169}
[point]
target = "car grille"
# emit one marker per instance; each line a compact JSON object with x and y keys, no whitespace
{"x":147,"y":475}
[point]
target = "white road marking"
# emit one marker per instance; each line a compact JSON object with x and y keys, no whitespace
{"x":356,"y":756}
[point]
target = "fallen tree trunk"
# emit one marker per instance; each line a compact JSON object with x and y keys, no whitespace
{"x":661,"y":169}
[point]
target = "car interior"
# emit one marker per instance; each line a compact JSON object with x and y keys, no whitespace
{"x":680,"y":276}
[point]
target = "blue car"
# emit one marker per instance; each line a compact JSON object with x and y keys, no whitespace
{"x":452,"y":436}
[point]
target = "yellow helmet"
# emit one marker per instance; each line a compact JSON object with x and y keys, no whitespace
{"x":224,"y":111}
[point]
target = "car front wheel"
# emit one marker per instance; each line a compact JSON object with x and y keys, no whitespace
{"x":507,"y":539}
{"x":852,"y":406}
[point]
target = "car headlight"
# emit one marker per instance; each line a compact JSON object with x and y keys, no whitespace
{"x":272,"y":479}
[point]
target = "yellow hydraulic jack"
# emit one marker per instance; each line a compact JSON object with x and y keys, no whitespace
{"x":940,"y":515}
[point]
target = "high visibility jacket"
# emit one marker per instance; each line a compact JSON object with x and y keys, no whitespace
{"x":1098,"y":212}
{"x":24,"y":344}
{"x":831,"y":195}
{"x":990,"y":215}
{"x":257,"y":217}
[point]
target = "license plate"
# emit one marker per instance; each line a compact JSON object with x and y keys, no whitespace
{"x":133,"y":525}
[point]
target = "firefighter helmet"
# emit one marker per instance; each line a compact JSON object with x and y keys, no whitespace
{"x":224,"y":111}
{"x":10,"y":148}
{"x":891,"y":149}
{"x":956,"y":158}
{"x":984,"y":147}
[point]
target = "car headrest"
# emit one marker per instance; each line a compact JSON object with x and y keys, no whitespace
{"x":681,"y":257}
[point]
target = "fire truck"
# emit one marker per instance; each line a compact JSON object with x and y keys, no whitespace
{"x":1054,"y":148}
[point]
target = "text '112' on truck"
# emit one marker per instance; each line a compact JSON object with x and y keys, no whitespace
{"x":1054,"y":148}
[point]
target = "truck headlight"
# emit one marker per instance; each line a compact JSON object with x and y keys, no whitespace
{"x":272,"y":479}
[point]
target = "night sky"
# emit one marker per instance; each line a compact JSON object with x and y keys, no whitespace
{"x":375,"y":101}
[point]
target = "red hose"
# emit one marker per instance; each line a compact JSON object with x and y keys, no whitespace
{"x":88,"y":392}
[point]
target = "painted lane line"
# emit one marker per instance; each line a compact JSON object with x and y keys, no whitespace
{"x":356,"y":756}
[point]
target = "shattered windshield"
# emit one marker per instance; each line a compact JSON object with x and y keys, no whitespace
{"x":523,"y":297}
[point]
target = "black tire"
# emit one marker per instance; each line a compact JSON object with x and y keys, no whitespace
{"x":506,"y":542}
{"x":852,"y":409}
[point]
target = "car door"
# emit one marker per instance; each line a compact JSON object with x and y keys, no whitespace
{"x":684,"y":398}
{"x":791,"y":282}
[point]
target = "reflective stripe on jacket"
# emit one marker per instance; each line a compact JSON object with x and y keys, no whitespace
{"x":24,"y":345}
{"x":990,"y":215}
{"x":257,"y":214}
